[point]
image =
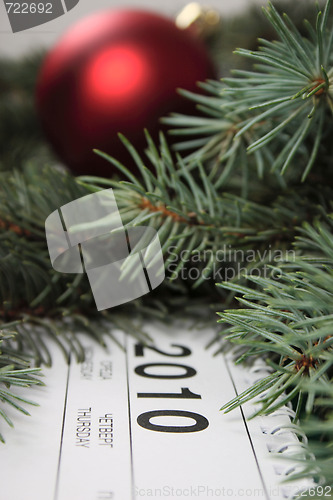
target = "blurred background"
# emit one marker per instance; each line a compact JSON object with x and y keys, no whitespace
{"x":45,"y":35}
{"x":77,"y":109}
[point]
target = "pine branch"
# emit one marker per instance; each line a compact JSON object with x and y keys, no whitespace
{"x":280,"y":113}
{"x":199,"y":224}
{"x":15,"y":371}
{"x":26,"y":199}
{"x":288,"y":317}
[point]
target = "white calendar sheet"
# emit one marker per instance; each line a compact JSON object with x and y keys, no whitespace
{"x":143,"y":421}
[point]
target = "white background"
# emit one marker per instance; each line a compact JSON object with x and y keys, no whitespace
{"x":47,"y":34}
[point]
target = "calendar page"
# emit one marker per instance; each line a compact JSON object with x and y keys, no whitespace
{"x":141,"y":421}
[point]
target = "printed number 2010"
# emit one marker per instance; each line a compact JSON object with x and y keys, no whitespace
{"x":144,"y":420}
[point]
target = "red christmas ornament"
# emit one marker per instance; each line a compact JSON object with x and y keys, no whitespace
{"x":116,"y":71}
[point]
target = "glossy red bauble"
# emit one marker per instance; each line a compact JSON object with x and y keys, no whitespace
{"x":116,"y":71}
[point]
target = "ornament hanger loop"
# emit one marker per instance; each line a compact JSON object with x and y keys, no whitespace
{"x":204,"y":21}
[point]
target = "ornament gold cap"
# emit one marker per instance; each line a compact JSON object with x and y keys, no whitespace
{"x":203,"y":21}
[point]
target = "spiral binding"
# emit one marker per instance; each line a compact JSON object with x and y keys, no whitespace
{"x":281,"y":439}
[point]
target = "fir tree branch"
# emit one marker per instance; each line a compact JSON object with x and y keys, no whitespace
{"x":280,"y":108}
{"x":15,"y":371}
{"x":289,"y":319}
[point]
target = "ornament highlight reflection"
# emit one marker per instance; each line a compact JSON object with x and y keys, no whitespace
{"x":115,"y":72}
